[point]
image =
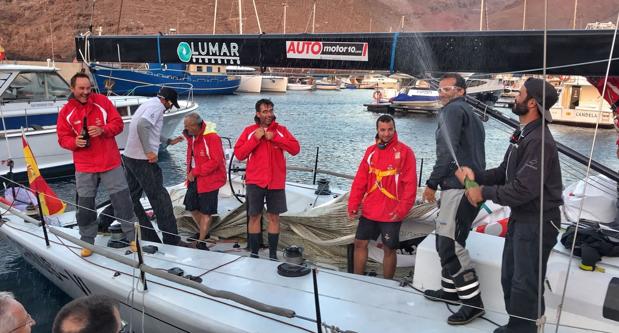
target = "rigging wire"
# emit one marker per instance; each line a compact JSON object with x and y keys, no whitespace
{"x":567,"y":275}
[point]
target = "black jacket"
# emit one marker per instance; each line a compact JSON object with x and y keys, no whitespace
{"x":457,"y":123}
{"x":516,"y":182}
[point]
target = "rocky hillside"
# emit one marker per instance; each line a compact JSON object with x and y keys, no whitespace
{"x":28,"y":27}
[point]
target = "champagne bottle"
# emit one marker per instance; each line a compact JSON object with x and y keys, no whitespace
{"x":84,"y":134}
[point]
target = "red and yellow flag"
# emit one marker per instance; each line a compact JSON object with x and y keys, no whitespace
{"x":50,"y":204}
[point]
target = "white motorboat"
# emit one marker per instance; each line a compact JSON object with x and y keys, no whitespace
{"x":251,"y":82}
{"x":302,"y":84}
{"x":32,"y":96}
{"x":271,"y":83}
{"x":328,"y":83}
{"x":581,"y":104}
{"x":373,"y":81}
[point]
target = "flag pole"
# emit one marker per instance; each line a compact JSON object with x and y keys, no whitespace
{"x":42,"y":219}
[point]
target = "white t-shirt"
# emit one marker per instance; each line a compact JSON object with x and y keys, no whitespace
{"x":151,"y":110}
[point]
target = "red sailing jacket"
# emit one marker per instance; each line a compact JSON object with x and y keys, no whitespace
{"x":385,"y":183}
{"x":210,"y":163}
{"x":102,"y":154}
{"x":266,"y":165}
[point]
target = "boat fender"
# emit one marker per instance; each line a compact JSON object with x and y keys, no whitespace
{"x":150,"y":249}
{"x":377,"y":95}
{"x":176,"y":271}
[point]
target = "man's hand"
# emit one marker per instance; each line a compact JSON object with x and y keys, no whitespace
{"x":176,"y":140}
{"x":429,"y":195}
{"x":81,"y":143}
{"x":152,"y":157}
{"x":394,"y":217}
{"x":474,"y":196}
{"x":95,"y":131}
{"x":268,"y":135}
{"x":353,"y":214}
{"x":464,"y":172}
{"x":259,"y":133}
{"x":190,"y":177}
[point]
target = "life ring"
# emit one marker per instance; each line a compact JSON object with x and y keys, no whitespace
{"x":377,"y":95}
{"x":564,"y":78}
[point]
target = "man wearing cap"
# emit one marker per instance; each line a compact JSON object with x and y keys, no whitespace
{"x":141,"y":168}
{"x":516,"y":183}
{"x":263,"y":145}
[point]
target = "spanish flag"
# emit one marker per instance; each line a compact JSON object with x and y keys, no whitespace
{"x":50,"y":204}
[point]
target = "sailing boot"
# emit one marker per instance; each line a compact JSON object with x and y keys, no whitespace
{"x":254,"y":243}
{"x":446,"y":294}
{"x":273,"y":240}
{"x":467,"y":286}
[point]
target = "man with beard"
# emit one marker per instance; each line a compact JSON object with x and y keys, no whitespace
{"x":263,"y":145}
{"x":459,"y":139}
{"x":87,"y":125}
{"x":517,"y":183}
{"x":384,"y":189}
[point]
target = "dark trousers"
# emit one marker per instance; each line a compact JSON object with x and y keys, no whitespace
{"x":520,"y":270}
{"x":145,"y":177}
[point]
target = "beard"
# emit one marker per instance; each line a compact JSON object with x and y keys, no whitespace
{"x":520,"y":109}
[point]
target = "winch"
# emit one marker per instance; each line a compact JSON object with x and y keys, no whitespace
{"x":294,"y":265}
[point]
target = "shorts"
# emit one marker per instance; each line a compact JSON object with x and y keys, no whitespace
{"x":370,"y":230}
{"x":254,"y":196}
{"x":206,"y":203}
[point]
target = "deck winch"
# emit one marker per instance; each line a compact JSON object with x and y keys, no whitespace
{"x":294,"y":265}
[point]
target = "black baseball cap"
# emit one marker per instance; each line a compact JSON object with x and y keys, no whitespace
{"x":169,"y":94}
{"x":535,"y":89}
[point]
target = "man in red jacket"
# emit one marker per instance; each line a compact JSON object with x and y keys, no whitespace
{"x":384,"y":189}
{"x":263,"y":145}
{"x":87,"y":125}
{"x":206,"y":172}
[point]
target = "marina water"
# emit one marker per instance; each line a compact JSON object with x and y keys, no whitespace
{"x":335,"y":121}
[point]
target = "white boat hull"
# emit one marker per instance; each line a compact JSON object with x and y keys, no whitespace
{"x":274,"y":84}
{"x":250,"y":84}
{"x":300,"y":86}
{"x":49,"y":154}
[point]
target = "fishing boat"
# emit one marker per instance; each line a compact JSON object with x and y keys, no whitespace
{"x":30,"y":99}
{"x":202,"y":79}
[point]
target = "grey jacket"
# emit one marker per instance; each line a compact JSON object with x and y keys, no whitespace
{"x":516,"y":182}
{"x":457,"y":123}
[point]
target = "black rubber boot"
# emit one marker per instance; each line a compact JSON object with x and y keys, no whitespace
{"x":447,"y":293}
{"x":254,"y":243}
{"x":273,"y":240}
{"x":441,"y":296}
{"x":469,"y":311}
{"x":467,"y":286}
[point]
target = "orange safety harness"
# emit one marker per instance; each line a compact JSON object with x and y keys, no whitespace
{"x":378,"y":184}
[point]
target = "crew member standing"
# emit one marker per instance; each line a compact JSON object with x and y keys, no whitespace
{"x":263,"y":145}
{"x":384,"y":190}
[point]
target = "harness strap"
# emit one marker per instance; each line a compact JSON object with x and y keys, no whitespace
{"x":379,"y":185}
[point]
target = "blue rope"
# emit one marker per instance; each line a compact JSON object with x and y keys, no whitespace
{"x":394,"y":44}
